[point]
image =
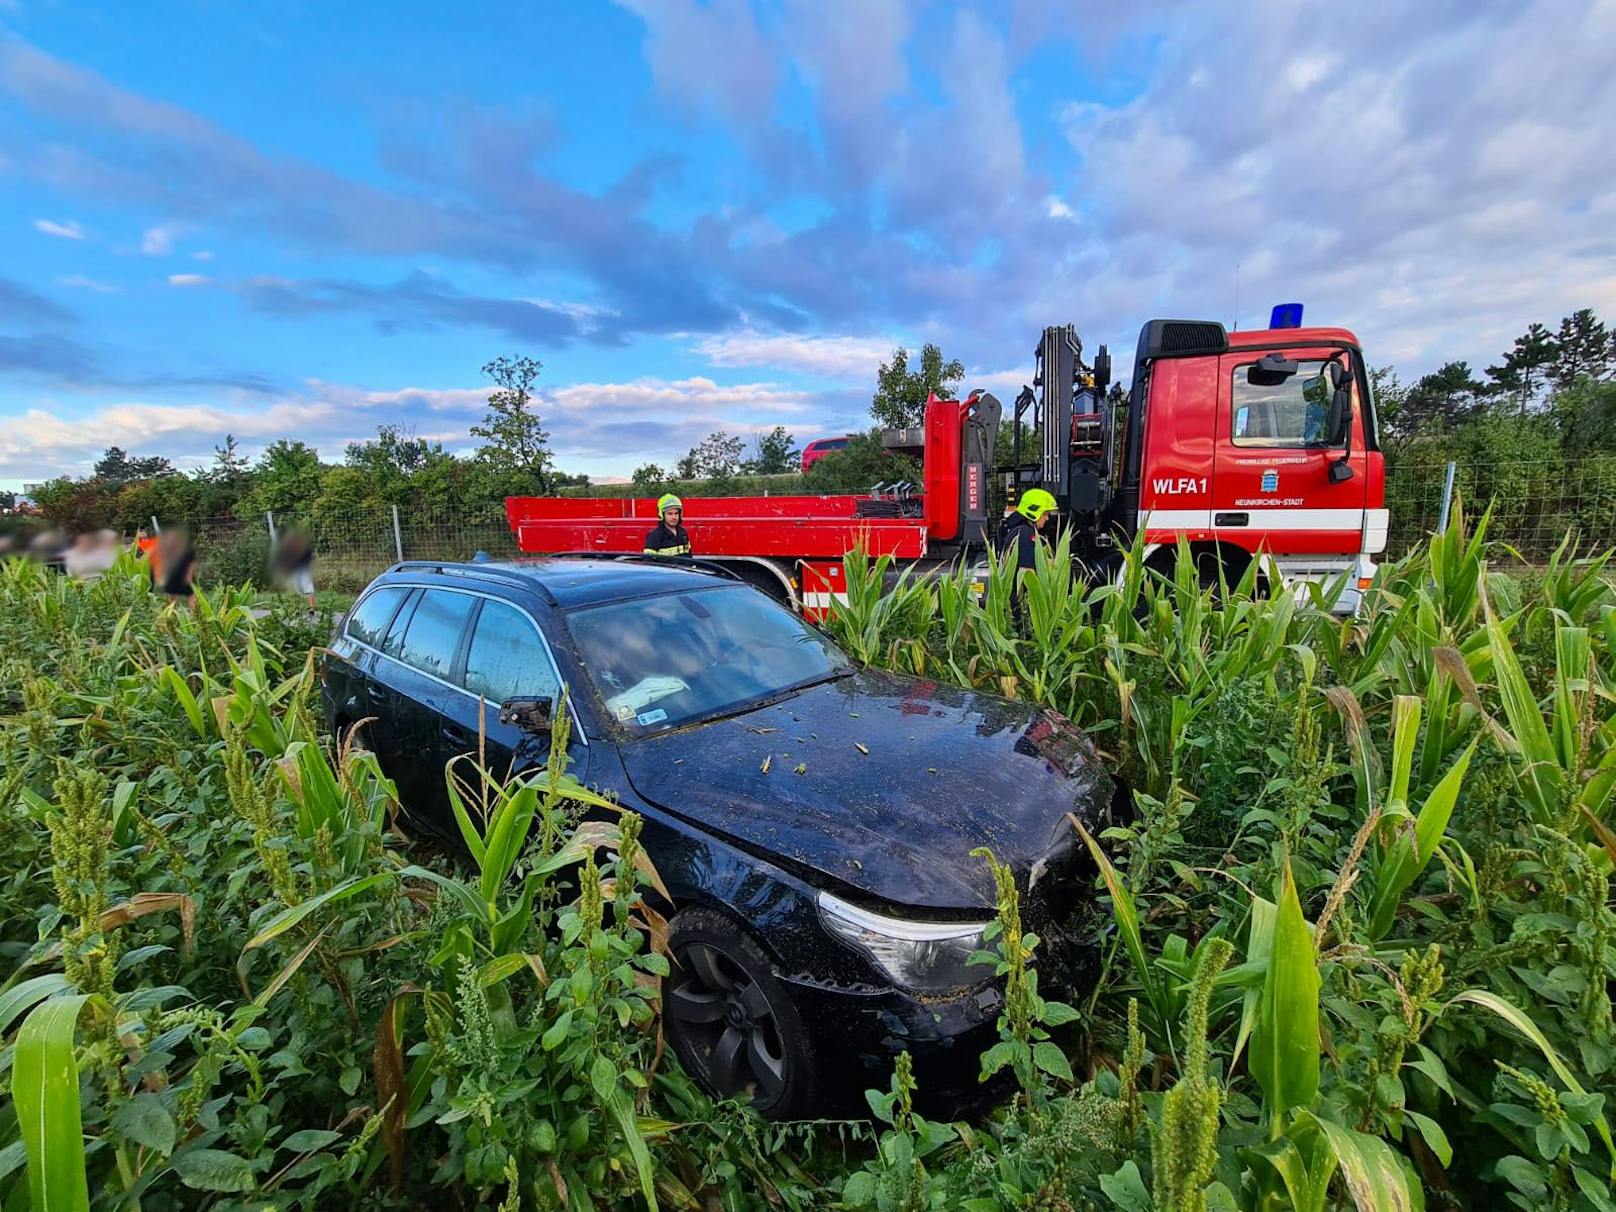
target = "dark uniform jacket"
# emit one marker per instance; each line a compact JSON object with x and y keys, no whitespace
{"x":664,"y":542}
{"x":1018,"y":540}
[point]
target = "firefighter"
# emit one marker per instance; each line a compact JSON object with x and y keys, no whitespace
{"x":1023,"y":529}
{"x":1018,"y":545}
{"x":669,"y":536}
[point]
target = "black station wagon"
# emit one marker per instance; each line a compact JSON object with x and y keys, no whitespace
{"x":813,"y":820}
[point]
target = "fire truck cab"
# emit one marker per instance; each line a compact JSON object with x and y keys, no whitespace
{"x":1245,"y":444}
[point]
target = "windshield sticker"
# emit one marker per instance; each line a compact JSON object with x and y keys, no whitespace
{"x":652,"y":717}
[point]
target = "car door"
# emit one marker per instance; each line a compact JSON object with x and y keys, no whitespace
{"x":1272,"y":484}
{"x":422,"y":687}
{"x":506,"y":658}
{"x":350,"y":677}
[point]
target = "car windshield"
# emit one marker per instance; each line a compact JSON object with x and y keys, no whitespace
{"x":663,"y":661}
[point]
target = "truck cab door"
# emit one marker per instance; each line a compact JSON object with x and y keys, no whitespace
{"x":1276,"y":483}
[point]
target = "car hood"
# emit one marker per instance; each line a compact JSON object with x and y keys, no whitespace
{"x":884,"y":784}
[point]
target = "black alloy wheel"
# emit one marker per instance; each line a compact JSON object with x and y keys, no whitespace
{"x":731,"y":1023}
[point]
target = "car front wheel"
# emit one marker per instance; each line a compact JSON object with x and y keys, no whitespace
{"x":731,"y":1021}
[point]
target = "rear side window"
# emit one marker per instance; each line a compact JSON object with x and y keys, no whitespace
{"x":433,"y":635}
{"x":393,"y":642}
{"x":507,"y":659}
{"x":369,"y":620}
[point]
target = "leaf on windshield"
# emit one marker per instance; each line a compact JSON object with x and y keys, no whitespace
{"x":861,"y":748}
{"x":766,"y":762}
{"x":802,"y":768}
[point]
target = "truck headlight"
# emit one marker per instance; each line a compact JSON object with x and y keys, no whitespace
{"x":928,"y":957}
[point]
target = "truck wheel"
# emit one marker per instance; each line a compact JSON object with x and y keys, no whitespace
{"x":731,"y":1021}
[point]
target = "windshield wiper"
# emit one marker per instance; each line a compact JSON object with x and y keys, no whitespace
{"x":774,"y":696}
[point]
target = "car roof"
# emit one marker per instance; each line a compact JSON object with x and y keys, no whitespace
{"x":569,"y":581}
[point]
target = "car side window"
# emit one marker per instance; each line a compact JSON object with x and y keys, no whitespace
{"x":507,"y":659}
{"x":433,"y":635}
{"x":369,"y":620}
{"x":393,"y":641}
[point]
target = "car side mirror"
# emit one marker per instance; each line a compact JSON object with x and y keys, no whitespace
{"x":534,"y":715}
{"x":1271,"y":370}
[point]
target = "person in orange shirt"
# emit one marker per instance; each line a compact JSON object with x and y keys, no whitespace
{"x":146,"y":545}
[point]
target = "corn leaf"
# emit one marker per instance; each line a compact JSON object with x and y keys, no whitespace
{"x":1285,"y":1042}
{"x":1408,"y":856}
{"x":1528,"y":733}
{"x":45,"y":1091}
{"x":1259,"y":946}
{"x":1122,"y":907}
{"x":1518,"y":1019}
{"x":1369,"y":1168}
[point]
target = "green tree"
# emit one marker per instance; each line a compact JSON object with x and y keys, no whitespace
{"x":1526,"y":367}
{"x":774,"y":453}
{"x":117,"y":466}
{"x":514,"y":440}
{"x":649,"y":475}
{"x":1442,"y":400}
{"x":715,"y":457}
{"x":286,"y":478}
{"x":8,"y":501}
{"x":901,"y":393}
{"x":1582,"y":348}
{"x":1391,"y":403}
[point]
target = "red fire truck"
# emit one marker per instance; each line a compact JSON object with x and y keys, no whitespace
{"x":1243,"y":443}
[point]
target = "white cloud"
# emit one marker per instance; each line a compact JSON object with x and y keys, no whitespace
{"x":81,"y":282}
{"x":1056,"y":208}
{"x":68,"y":230}
{"x":604,"y":428}
{"x":188,"y":279}
{"x":202,"y":254}
{"x":837,"y":357}
{"x":1431,"y":198}
{"x":159,"y":241}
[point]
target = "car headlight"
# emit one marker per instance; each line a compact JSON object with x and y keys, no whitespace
{"x":928,"y":957}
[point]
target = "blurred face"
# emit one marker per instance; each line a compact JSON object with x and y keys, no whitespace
{"x":1042,"y":520}
{"x":672,"y":516}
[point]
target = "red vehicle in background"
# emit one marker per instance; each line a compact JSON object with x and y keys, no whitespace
{"x":821,"y":447}
{"x":1243,"y":444}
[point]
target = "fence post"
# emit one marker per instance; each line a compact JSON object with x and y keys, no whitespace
{"x":398,"y":537}
{"x":273,"y":539}
{"x":1447,"y":499}
{"x":155,"y":528}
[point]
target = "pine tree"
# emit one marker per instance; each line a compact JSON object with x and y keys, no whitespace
{"x":1583,"y":347}
{"x":1525,"y":367}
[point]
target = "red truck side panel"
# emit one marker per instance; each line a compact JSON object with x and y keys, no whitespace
{"x":944,"y":434}
{"x":792,"y":527}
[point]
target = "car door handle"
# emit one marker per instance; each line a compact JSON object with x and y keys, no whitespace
{"x":1231,"y":519}
{"x":375,"y":693}
{"x":456,"y":736}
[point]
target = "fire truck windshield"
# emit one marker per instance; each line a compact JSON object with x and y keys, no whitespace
{"x":1291,"y":413}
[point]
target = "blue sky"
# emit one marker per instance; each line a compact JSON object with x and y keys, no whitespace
{"x":304,"y":219}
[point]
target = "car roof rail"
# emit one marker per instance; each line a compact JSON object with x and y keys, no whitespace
{"x":481,"y":572}
{"x":691,"y":563}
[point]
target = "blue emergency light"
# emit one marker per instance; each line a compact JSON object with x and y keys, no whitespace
{"x":1286,"y":315}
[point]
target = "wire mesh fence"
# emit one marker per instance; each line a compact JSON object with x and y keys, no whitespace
{"x":1536,"y":505}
